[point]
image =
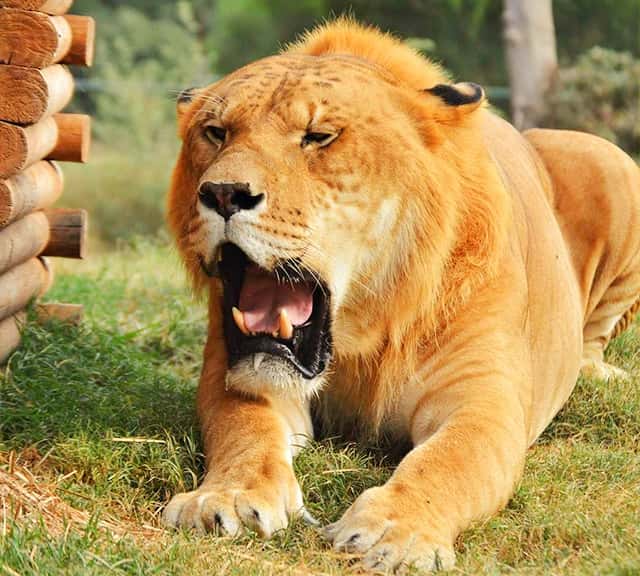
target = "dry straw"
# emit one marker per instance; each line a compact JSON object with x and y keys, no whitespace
{"x":27,"y":498}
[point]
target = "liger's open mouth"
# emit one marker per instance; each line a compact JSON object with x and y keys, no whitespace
{"x":284,"y":313}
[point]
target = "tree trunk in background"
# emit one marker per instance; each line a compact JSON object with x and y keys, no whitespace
{"x":530,"y":41}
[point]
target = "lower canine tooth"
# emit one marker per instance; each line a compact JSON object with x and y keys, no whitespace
{"x":257,"y":360}
{"x":286,"y":328}
{"x":238,"y":318}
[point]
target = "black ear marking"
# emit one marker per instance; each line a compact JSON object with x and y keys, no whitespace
{"x":186,"y":95}
{"x":460,"y":94}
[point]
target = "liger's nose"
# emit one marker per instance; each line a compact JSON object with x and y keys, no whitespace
{"x":228,"y":198}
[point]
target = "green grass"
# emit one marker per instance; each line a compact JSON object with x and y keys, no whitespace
{"x":131,"y":370}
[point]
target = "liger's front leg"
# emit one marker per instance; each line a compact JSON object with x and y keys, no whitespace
{"x":249,"y":446}
{"x":470,"y":442}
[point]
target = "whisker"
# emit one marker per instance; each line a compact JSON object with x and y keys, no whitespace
{"x":363,"y":285}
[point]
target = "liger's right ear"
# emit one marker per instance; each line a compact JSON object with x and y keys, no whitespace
{"x":183,"y":103}
{"x":184,"y":100}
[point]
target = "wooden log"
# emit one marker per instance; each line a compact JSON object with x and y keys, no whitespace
{"x":21,"y":284}
{"x":46,"y":6}
{"x":38,"y":40}
{"x":65,"y":137}
{"x":83,"y":38}
{"x":32,"y":38}
{"x":74,"y":138}
{"x":22,"y":146}
{"x":23,"y":240}
{"x":39,"y":186}
{"x":66,"y":313}
{"x":27,"y":94}
{"x":10,"y":329}
{"x":67,"y":233}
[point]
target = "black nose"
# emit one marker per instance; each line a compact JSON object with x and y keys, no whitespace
{"x":228,"y":198}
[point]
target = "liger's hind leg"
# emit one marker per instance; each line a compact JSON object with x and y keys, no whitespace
{"x":612,"y":316}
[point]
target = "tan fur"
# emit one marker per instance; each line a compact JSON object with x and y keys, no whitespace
{"x":472,"y":270}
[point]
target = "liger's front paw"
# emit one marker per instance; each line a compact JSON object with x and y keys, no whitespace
{"x":389,"y":536}
{"x":264,"y":505}
{"x":225,"y":511}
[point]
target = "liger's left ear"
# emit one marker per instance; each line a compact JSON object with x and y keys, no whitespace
{"x":462,"y":97}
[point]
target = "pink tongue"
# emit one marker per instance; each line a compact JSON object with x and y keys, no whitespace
{"x":262,"y":298}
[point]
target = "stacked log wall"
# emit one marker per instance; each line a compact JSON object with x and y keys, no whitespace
{"x":38,"y":39}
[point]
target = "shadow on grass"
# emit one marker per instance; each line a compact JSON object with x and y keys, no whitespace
{"x":72,"y":392}
{"x":67,"y":380}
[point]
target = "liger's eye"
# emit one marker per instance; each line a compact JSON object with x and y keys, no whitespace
{"x":318,"y":138}
{"x":215,"y":134}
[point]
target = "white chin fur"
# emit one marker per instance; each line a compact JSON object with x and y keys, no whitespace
{"x":270,"y":376}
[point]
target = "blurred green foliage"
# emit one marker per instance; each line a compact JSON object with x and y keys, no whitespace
{"x":582,"y":24}
{"x":143,"y":58}
{"x":600,"y":94}
{"x":194,"y":40}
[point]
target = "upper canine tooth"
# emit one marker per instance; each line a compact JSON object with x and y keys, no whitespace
{"x":219,"y":254}
{"x":286,"y":328}
{"x":238,"y":318}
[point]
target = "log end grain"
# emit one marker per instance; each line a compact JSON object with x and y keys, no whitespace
{"x":63,"y":137}
{"x":23,"y":240}
{"x":33,"y":39}
{"x":27,"y":94}
{"x":22,"y":283}
{"x":14,"y":150}
{"x":39,"y":186}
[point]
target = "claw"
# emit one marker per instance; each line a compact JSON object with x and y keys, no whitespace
{"x":308,"y":519}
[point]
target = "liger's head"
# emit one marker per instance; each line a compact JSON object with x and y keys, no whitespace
{"x":305,"y":185}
